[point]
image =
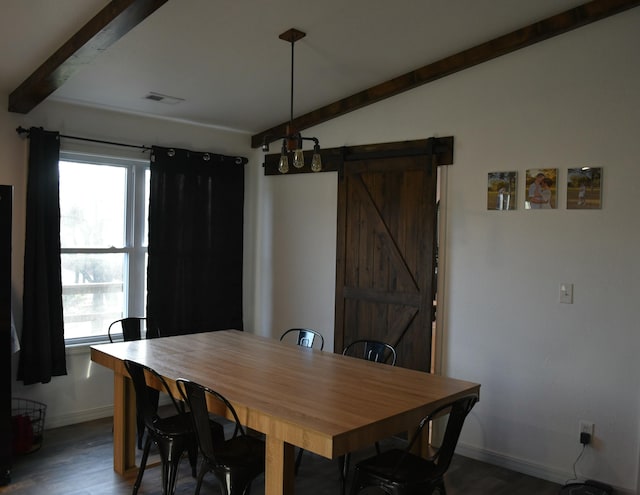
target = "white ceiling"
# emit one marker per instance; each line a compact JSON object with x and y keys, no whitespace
{"x":224,"y":57}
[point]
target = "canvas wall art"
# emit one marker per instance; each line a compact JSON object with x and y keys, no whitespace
{"x":541,"y":189}
{"x":501,"y":190}
{"x":584,"y":188}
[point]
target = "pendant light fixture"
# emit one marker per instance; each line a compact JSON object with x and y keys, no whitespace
{"x":293,"y":140}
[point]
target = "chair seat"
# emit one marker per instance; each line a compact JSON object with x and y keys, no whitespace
{"x":242,"y":452}
{"x":398,"y":466}
{"x":181,"y":424}
{"x":172,"y":425}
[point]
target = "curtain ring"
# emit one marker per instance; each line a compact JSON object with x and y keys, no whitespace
{"x":238,"y":160}
{"x":206,"y":157}
{"x":171,"y":152}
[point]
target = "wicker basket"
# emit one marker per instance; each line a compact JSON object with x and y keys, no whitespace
{"x":28,"y":424}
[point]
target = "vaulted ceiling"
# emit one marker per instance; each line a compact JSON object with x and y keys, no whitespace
{"x":224,"y":63}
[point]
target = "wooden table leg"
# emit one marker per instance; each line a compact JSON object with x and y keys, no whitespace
{"x":124,"y":425}
{"x":279,"y":467}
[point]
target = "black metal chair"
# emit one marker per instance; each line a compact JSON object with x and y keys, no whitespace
{"x":399,"y":472}
{"x":136,"y":328}
{"x":236,"y":461}
{"x":305,"y":337}
{"x":173,"y":434}
{"x":371,"y":350}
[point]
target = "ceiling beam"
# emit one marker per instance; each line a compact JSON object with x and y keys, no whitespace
{"x":107,"y":27}
{"x":551,"y":26}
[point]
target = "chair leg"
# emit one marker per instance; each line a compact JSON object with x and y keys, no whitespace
{"x":192,"y":450}
{"x":170,"y":458}
{"x":440,"y":487}
{"x":203,"y":471}
{"x":344,"y":472}
{"x":354,"y":483}
{"x":169,"y":476}
{"x":237,"y":484}
{"x":143,"y":464}
{"x":172,"y":476}
{"x":298,"y":461}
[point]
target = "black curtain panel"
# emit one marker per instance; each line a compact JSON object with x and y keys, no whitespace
{"x":195,"y":241}
{"x":42,"y":353}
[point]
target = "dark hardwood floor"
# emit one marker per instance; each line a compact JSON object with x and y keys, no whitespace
{"x":77,"y":460}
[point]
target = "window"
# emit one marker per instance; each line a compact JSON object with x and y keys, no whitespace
{"x":103,"y":234}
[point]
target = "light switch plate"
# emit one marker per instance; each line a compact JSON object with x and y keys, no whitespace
{"x":565,"y":295}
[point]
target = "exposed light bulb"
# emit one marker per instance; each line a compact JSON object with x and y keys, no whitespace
{"x":283,"y":166}
{"x":316,"y":160}
{"x":298,"y":158}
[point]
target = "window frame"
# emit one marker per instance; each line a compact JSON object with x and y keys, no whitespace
{"x":135,"y":240}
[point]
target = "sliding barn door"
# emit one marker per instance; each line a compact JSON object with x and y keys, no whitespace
{"x":385,"y":282}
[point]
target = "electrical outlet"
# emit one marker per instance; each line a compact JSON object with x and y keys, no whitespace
{"x":586,"y":427}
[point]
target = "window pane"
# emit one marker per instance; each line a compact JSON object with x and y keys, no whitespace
{"x":92,"y":205}
{"x":92,"y":292}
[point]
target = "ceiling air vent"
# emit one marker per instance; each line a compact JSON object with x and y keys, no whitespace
{"x":166,"y":99}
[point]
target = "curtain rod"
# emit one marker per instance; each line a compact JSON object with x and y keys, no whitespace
{"x":21,"y":130}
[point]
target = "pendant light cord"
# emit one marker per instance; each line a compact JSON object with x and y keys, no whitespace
{"x":291,"y":105}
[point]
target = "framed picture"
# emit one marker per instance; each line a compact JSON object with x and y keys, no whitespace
{"x":584,"y":188}
{"x":541,"y":189}
{"x":501,"y":190}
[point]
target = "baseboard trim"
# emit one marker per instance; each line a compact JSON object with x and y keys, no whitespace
{"x":77,"y":417}
{"x":523,"y":466}
{"x":56,"y":421}
{"x":514,"y":464}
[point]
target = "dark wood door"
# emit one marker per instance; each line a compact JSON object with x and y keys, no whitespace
{"x":385,"y":283}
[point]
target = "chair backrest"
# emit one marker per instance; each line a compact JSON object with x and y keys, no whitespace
{"x":372,"y":350}
{"x":144,"y":395}
{"x":457,"y":413}
{"x":306,"y":337}
{"x":196,"y":396}
{"x":132,"y":328}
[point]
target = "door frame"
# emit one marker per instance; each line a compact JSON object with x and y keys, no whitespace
{"x":439,"y":342}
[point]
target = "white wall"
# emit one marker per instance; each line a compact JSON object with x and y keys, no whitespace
{"x":296,"y":246}
{"x":570,"y":101}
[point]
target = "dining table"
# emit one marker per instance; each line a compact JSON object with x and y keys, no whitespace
{"x":320,"y":401}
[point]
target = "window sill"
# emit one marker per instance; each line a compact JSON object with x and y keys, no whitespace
{"x":83,"y":348}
